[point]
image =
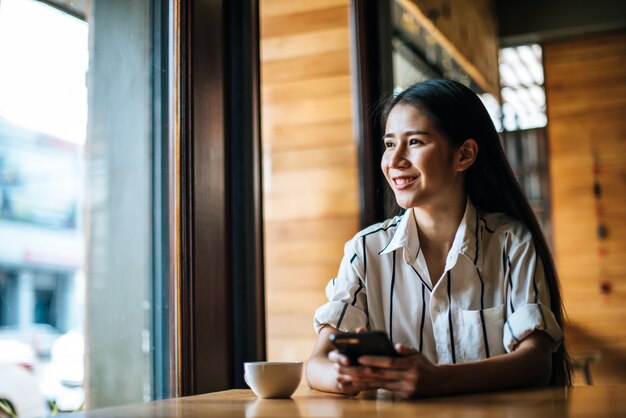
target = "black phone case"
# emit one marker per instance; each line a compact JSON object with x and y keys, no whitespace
{"x":355,"y":345}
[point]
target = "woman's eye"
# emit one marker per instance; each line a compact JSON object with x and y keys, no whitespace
{"x":415,"y":141}
{"x":389,"y":144}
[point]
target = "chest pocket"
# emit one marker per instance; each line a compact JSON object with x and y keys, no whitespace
{"x":475,"y":345}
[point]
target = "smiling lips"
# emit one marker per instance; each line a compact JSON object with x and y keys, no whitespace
{"x":401,"y":183}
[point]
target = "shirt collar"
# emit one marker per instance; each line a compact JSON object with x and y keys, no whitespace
{"x":405,"y":237}
{"x":466,"y":241}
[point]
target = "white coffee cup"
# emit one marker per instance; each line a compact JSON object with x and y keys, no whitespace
{"x":269,"y":379}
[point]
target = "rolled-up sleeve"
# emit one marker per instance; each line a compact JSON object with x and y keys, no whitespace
{"x":528,"y":304}
{"x":347,"y":296}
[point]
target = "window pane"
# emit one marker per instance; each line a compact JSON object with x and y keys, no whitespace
{"x":76,"y":285}
{"x":521,"y":79}
{"x":118,"y":207}
{"x":43,"y":121}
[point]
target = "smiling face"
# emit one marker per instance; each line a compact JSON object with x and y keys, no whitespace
{"x":420,"y":166}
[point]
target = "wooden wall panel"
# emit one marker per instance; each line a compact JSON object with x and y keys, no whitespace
{"x":586,"y":94}
{"x":467,"y":30}
{"x":309,"y":163}
{"x":294,"y":9}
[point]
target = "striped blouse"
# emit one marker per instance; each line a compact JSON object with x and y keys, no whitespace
{"x":491,"y":296}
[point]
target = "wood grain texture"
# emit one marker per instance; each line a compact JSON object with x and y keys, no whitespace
{"x":275,"y":8}
{"x":586,"y":94}
{"x":309,"y":163}
{"x":467,"y":30}
{"x":328,"y":64}
{"x":578,"y":402}
{"x":310,"y":89}
{"x":304,"y":44}
{"x":308,"y":135}
{"x":305,"y":21}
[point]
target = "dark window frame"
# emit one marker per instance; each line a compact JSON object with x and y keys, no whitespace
{"x":373,"y":77}
{"x":220,"y":230}
{"x":162,"y":325}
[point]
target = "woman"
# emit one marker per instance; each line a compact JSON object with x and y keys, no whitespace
{"x":463,"y":282}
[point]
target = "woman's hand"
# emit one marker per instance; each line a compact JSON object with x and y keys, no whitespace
{"x":351,"y":379}
{"x":408,"y":376}
{"x":412,"y":375}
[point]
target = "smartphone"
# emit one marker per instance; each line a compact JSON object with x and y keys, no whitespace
{"x":355,"y":345}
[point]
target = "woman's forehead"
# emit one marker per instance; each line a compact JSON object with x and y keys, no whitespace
{"x":405,"y":115}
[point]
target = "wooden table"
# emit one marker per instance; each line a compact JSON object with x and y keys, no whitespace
{"x":580,"y":401}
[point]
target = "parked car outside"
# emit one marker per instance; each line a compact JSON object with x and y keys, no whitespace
{"x":49,"y":367}
{"x":62,"y":377}
{"x":40,"y":337}
{"x":19,"y":387}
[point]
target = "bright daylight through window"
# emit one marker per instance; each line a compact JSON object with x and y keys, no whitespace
{"x":75,"y":205}
{"x":523,"y":96}
{"x":43,"y":120}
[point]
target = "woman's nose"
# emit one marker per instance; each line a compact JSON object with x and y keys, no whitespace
{"x":398,"y":158}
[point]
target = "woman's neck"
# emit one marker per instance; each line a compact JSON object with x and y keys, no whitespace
{"x":437,"y":226}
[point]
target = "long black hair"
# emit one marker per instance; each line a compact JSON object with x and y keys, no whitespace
{"x":459,"y":114}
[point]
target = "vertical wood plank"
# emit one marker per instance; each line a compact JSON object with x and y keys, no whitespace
{"x":586,"y":93}
{"x":309,"y":157}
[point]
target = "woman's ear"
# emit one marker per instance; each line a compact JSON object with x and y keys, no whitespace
{"x":466,"y":154}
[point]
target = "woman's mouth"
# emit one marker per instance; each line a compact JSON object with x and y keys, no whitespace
{"x":401,"y":183}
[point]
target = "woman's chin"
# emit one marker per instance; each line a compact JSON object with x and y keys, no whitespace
{"x":405,"y":203}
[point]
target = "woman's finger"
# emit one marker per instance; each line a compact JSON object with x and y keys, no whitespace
{"x":336,"y":357}
{"x":404,"y":350}
{"x":400,"y":389}
{"x":354,"y":388}
{"x":361,"y":382}
{"x":389,"y":375}
{"x":354,"y":370}
{"x":387,"y":362}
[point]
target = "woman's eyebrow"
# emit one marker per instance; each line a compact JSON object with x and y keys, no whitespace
{"x":416,"y":132}
{"x":407,"y":133}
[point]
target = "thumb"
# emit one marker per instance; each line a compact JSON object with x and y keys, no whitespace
{"x":360,"y":330}
{"x":404,"y":350}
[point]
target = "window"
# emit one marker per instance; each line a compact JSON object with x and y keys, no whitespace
{"x":522,"y":125}
{"x":521,"y":80}
{"x":77,"y":203}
